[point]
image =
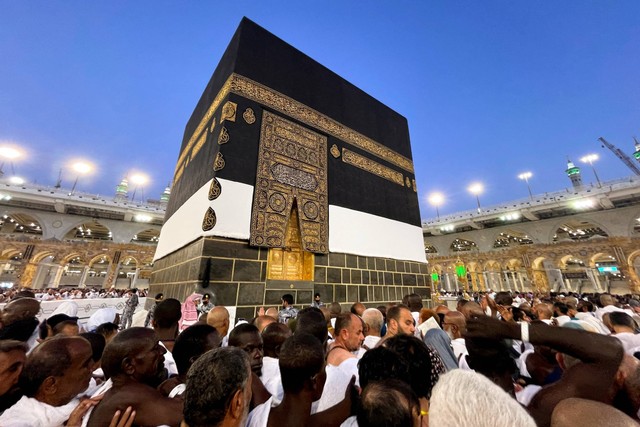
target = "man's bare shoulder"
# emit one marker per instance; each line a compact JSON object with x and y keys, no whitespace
{"x":337,"y":355}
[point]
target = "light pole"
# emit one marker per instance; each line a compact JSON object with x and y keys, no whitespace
{"x":81,"y":168}
{"x":476,"y":188}
{"x":436,"y":200}
{"x":138,"y":180}
{"x":525,"y":177}
{"x":590,"y":158}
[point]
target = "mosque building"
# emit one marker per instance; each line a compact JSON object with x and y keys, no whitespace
{"x":585,"y":238}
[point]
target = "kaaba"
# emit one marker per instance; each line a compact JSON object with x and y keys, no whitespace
{"x":292,"y":180}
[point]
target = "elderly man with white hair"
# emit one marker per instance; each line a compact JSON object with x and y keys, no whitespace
{"x":373,"y":320}
{"x":483,"y":403}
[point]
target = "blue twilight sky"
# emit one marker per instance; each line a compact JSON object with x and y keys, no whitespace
{"x":490,"y":88}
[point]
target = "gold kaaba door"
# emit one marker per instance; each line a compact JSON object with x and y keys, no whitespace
{"x":290,"y":262}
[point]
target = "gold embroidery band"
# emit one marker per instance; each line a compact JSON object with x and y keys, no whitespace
{"x":203,"y":123}
{"x":249,"y":89}
{"x":199,"y":145}
{"x":252,"y":90}
{"x":369,"y":165}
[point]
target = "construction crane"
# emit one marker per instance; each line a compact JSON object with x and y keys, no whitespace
{"x":625,"y":159}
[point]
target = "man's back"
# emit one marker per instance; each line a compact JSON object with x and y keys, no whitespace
{"x":151,"y":407}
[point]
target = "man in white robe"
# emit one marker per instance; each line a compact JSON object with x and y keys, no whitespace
{"x":54,"y":374}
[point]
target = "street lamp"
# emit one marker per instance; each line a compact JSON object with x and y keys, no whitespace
{"x":590,"y":158}
{"x":525,"y":177}
{"x":138,"y":180}
{"x":81,"y":168}
{"x":436,"y":200}
{"x":476,"y":188}
{"x":8,"y":153}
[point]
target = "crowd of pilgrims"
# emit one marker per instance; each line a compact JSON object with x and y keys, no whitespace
{"x":56,"y":294}
{"x":499,"y":359}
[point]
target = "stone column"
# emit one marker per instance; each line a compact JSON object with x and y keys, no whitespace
{"x":505,"y":273}
{"x":135,"y":278}
{"x":520,"y":278}
{"x":514,"y":281}
{"x":57,"y":277}
{"x":83,"y":277}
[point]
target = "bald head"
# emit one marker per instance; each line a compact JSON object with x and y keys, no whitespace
{"x":273,"y":312}
{"x":456,"y":318}
{"x":19,"y":309}
{"x":581,"y":412}
{"x":262,"y":322}
{"x":126,"y":345}
{"x":544,"y":311}
{"x":218,"y":317}
{"x":454,"y":324}
{"x":442,"y":309}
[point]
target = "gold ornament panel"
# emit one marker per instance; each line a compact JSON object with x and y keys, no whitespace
{"x":249,"y":116}
{"x":215,"y":189}
{"x":292,"y":168}
{"x":209,"y":220}
{"x":223,"y":138}
{"x":229,"y":112}
{"x":218,"y":163}
{"x":335,"y":151}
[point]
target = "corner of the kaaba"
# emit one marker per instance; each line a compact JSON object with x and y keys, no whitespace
{"x":271,"y":151}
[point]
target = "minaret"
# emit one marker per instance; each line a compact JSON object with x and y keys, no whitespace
{"x":636,"y":154}
{"x":573,"y":172}
{"x":164,"y":199}
{"x":122,"y":191}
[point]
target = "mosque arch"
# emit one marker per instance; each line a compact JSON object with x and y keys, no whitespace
{"x":89,"y":230}
{"x":146,"y":235}
{"x":577,"y":229}
{"x":73,"y":256}
{"x":462,"y":245}
{"x":492,"y":265}
{"x":430,"y":249}
{"x":8,"y":253}
{"x":98,"y":269}
{"x":511,"y":237}
{"x":513,"y":264}
{"x":602,"y":259}
{"x":41,"y":256}
{"x":99,"y":259}
{"x":16,"y":222}
{"x":571,"y":262}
